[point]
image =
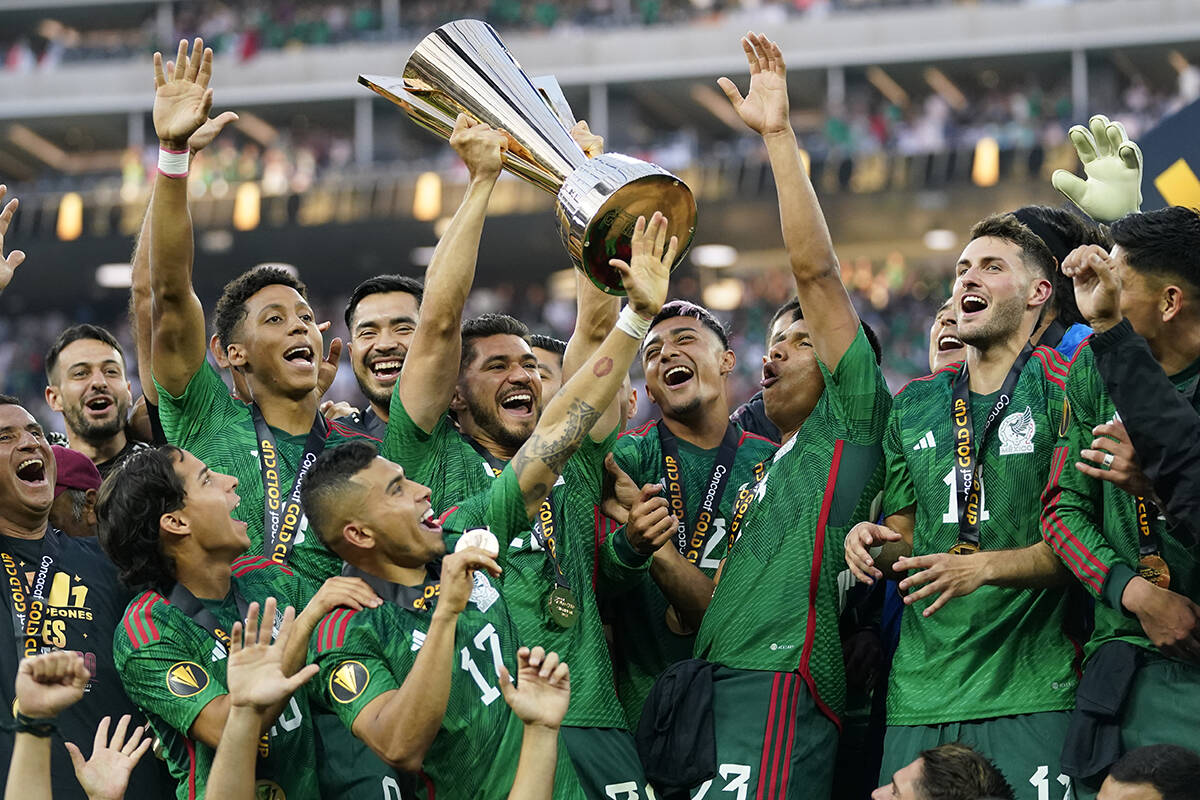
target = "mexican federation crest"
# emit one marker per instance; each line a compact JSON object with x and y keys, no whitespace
{"x":1016,"y":433}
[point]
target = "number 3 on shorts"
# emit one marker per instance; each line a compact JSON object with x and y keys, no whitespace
{"x":1041,"y":779}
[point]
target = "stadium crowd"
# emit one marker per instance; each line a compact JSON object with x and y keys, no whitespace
{"x":487,"y":580}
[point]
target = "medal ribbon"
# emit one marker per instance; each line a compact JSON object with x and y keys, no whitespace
{"x":183,"y":599}
{"x":282,"y":515}
{"x":412,"y":598}
{"x":968,"y":478}
{"x":702,"y":529}
{"x":29,"y":607}
{"x":742,"y":504}
{"x":544,"y":526}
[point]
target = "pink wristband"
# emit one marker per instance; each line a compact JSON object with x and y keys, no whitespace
{"x":173,"y":163}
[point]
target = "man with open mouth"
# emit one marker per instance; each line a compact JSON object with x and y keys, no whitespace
{"x":945,"y":348}
{"x":968,"y":453}
{"x":86,"y":383}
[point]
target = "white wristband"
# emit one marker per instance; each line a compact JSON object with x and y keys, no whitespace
{"x":173,"y":163}
{"x":633,"y":323}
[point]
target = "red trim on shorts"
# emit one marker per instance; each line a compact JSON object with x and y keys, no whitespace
{"x":766,"y":748}
{"x":429,"y":790}
{"x":191,"y":752}
{"x":814,"y":582}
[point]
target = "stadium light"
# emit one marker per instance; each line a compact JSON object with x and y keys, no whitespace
{"x":940,"y":239}
{"x":986,"y":169}
{"x":115,"y":276}
{"x":246,"y":206}
{"x":723,"y":295}
{"x":70,"y":217}
{"x":427,"y":197}
{"x":714,"y":256}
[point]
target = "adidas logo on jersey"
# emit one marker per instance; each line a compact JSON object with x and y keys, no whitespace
{"x":925,"y":441}
{"x":219,"y":652}
{"x":418,"y":639}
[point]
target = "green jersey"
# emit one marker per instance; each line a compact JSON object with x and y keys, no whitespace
{"x":219,"y":430}
{"x":643,"y":644}
{"x":997,"y":651}
{"x":364,"y":654}
{"x":821,"y":482}
{"x":529,"y":578}
{"x":172,"y":667}
{"x":1094,"y":526}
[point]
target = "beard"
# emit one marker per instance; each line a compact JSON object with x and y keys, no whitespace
{"x":1005,"y":320}
{"x":510,"y":436}
{"x":95,"y":432}
{"x":374,"y":393}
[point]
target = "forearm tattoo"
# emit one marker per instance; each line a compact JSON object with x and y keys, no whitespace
{"x":553,"y":449}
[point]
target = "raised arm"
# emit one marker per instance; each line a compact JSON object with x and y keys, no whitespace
{"x":578,"y":406}
{"x":10,"y":262}
{"x":182,"y":100}
{"x":832,"y":320}
{"x":46,"y":685}
{"x":400,"y":725}
{"x":431,"y":368}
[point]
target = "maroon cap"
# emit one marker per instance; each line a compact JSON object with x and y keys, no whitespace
{"x":75,"y":470}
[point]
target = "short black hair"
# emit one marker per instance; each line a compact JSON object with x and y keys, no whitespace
{"x":792,"y":308}
{"x":74,"y":334}
{"x":544,"y":342}
{"x":1063,"y":231}
{"x":328,"y":479}
{"x":9,"y":400}
{"x":231,"y":306}
{"x":1164,"y":242}
{"x":489,"y":325}
{"x":956,"y":772}
{"x":381,"y":284}
{"x":132,"y":500}
{"x":683,"y":308}
{"x":1034,"y":252}
{"x":1173,"y":770}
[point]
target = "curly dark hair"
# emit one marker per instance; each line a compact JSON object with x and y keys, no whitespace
{"x":328,"y":480}
{"x":231,"y":306}
{"x":132,"y":500}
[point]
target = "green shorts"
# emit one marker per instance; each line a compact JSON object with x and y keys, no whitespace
{"x":772,"y":740}
{"x":1162,"y":708}
{"x":349,"y":770}
{"x":1026,"y":748}
{"x":607,"y":763}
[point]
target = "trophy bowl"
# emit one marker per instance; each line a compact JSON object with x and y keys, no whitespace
{"x":464,"y":68}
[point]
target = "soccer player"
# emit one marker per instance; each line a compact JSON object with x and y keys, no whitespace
{"x":968,"y":450}
{"x":86,"y":383}
{"x":947,"y":772}
{"x":1154,"y":772}
{"x":945,"y":347}
{"x":468,"y":398}
{"x":437,"y":711}
{"x":167,"y":525}
{"x":269,"y":334}
{"x":1141,"y":571}
{"x":381,"y":317}
{"x":703,"y":461}
{"x":549,"y":353}
{"x":772,"y":626}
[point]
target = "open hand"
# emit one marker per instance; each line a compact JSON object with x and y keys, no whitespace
{"x":946,"y":575}
{"x":1123,"y":471}
{"x":105,"y":775}
{"x":255,"y":676}
{"x":182,"y":99}
{"x":648,"y":272}
{"x":10,"y":262}
{"x":764,"y":109}
{"x":543,"y":689}
{"x":1113,"y":165}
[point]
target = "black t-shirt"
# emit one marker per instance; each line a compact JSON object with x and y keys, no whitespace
{"x":84,"y":605}
{"x":131,"y":447}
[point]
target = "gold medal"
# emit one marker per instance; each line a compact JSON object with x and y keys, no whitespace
{"x":964,"y":548}
{"x":564,"y":611}
{"x":1153,"y":568}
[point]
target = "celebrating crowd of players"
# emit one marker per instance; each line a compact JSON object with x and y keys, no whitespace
{"x":493,"y":590}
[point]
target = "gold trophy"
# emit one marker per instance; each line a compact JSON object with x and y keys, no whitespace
{"x":463,"y":67}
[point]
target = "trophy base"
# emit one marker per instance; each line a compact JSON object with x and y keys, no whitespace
{"x":599,"y":204}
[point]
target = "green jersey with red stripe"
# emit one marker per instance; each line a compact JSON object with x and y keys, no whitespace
{"x":218,"y":429}
{"x":996,"y":651}
{"x":776,"y":607}
{"x":1093,"y":525}
{"x":172,"y":667}
{"x":643,"y":644}
{"x":366,"y":654}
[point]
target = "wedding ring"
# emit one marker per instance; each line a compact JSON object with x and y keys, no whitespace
{"x":1108,"y":459}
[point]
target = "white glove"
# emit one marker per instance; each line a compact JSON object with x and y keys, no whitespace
{"x":1113,"y":165}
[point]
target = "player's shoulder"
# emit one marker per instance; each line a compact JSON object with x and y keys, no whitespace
{"x":1052,"y":365}
{"x":347,"y":429}
{"x":252,"y":566}
{"x":634,"y":437}
{"x":755,"y":444}
{"x":934,"y":382}
{"x":145,"y":621}
{"x":340,"y":626}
